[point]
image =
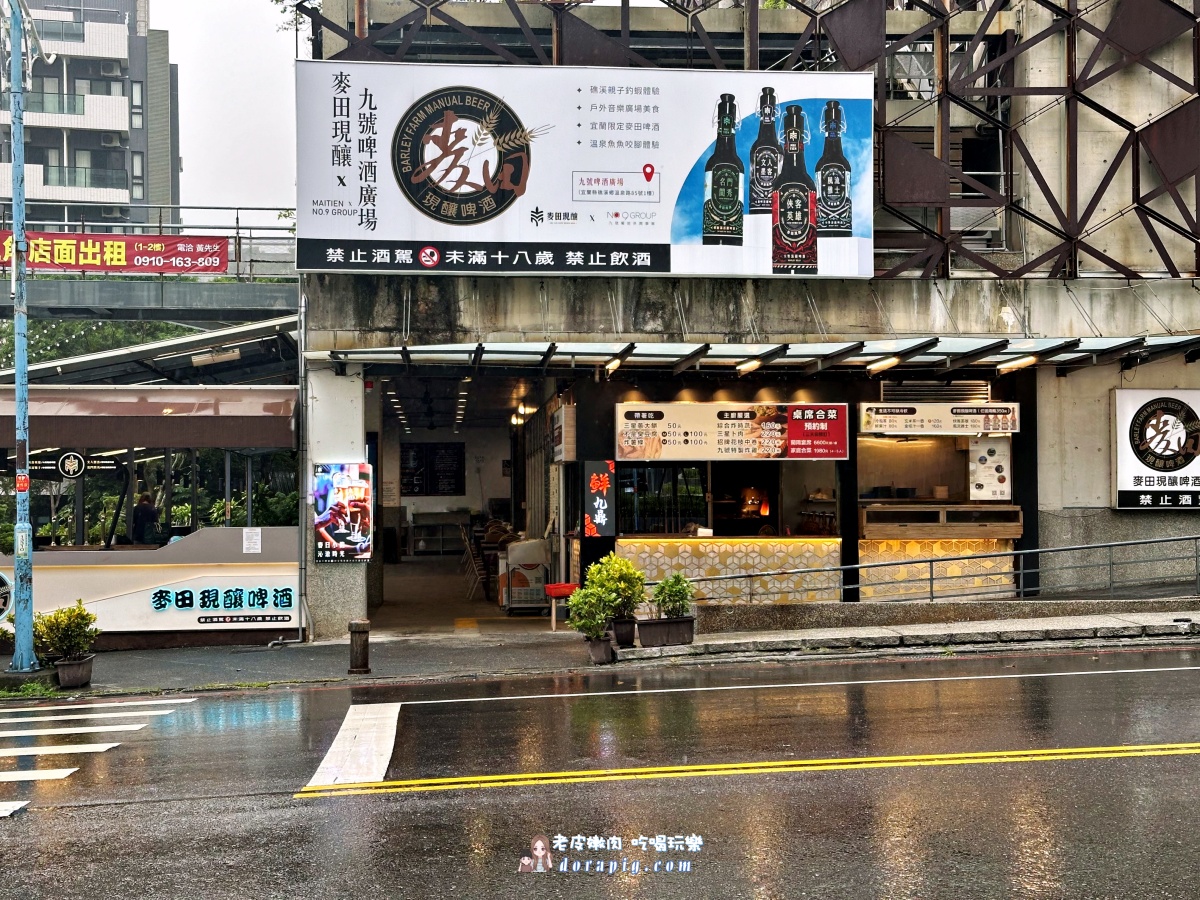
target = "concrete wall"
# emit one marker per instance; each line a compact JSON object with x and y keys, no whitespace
{"x":1075,"y":439}
{"x":486,"y":449}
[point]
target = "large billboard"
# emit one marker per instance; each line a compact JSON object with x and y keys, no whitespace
{"x":525,"y":170}
{"x":1155,"y":445}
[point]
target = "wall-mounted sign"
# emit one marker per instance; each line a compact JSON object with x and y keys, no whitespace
{"x":1155,"y":443}
{"x":433,"y":470}
{"x":990,"y":472}
{"x":342,"y":525}
{"x":716,"y":431}
{"x":129,"y":253}
{"x":939,"y":418}
{"x":481,"y":170}
{"x":600,"y":498}
{"x":73,"y":465}
{"x":562,"y":432}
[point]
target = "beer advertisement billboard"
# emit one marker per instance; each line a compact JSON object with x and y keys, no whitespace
{"x":342,"y":507}
{"x":521,"y":170}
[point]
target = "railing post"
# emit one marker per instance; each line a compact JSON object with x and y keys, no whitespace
{"x":1020,"y":576}
{"x":1196,"y":562}
{"x":931,"y":581}
{"x":750,"y":588}
{"x":1110,"y":570}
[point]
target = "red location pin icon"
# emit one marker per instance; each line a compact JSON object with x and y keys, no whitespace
{"x":648,"y":171}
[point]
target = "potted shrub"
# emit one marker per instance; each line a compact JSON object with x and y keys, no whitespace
{"x":68,"y":634}
{"x":627,"y":584}
{"x":591,"y":609}
{"x":673,"y":606}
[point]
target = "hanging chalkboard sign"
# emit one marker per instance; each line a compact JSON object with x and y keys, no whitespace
{"x":433,"y":470}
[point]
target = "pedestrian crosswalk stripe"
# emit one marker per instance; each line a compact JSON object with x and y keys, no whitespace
{"x":791,"y":766}
{"x":7,"y":808}
{"x":106,"y":715}
{"x":58,"y":750}
{"x":79,"y":729}
{"x":363,"y":746}
{"x":109,"y":705}
{"x":37,"y":775}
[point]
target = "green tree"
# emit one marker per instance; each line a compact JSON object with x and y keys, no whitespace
{"x":51,"y":339}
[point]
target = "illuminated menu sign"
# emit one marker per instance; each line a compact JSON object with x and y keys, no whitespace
{"x":939,"y":418}
{"x":716,"y":431}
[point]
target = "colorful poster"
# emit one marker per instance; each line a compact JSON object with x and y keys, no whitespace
{"x":939,"y":418}
{"x":1155,"y":443}
{"x":990,"y":472}
{"x":342,"y":507}
{"x":481,"y":170}
{"x":122,"y":253}
{"x":599,"y":498}
{"x":716,"y":431}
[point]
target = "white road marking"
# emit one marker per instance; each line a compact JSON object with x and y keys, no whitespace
{"x":10,"y":807}
{"x":123,"y":703}
{"x":79,"y":729}
{"x":116,"y":715}
{"x":37,"y":775}
{"x":60,"y":750}
{"x":363,"y":746}
{"x":800,"y":684}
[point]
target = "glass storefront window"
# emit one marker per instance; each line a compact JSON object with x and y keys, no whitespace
{"x":661,"y":499}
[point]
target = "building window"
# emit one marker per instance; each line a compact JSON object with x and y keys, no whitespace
{"x":136,"y":104}
{"x":137,"y":186}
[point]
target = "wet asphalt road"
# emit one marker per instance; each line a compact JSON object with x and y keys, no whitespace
{"x":200,"y":802}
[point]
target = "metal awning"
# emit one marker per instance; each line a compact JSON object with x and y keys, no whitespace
{"x":257,"y":353}
{"x":945,"y":357}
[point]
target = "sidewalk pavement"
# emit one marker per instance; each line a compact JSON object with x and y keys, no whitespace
{"x":445,"y":657}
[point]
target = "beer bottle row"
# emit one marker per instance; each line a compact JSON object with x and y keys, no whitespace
{"x":780,"y":185}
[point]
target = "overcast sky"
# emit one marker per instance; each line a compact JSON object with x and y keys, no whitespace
{"x":236,"y":102}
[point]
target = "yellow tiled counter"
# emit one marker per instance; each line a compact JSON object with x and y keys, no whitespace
{"x":698,"y":558}
{"x":970,"y":578}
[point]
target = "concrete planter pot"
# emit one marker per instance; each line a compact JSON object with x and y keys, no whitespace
{"x":667,"y":632}
{"x":601,"y":650}
{"x":74,"y":673}
{"x":624,"y":631}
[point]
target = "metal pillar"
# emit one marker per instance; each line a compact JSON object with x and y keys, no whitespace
{"x":132,"y":494}
{"x":80,"y":508}
{"x":249,"y":494}
{"x":228,"y":491}
{"x":195,"y":493}
{"x":168,"y":489}
{"x":23,"y":659}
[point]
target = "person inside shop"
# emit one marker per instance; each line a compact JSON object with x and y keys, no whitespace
{"x":145,"y":521}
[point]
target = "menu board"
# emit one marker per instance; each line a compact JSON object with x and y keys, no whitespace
{"x":716,"y":431}
{"x":433,"y":470}
{"x":939,"y":418}
{"x":991,"y":468}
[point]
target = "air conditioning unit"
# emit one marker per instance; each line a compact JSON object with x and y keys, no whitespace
{"x":111,"y":212}
{"x":109,"y":139}
{"x":110,"y":69}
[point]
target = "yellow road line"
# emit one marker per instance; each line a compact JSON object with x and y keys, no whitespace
{"x":525,"y":779}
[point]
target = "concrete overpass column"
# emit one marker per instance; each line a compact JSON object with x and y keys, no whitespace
{"x":336,"y":592}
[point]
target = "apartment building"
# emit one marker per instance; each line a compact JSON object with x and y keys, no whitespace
{"x":101,"y":120}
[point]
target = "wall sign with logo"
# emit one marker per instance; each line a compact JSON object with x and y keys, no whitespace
{"x":716,"y":431}
{"x":481,"y":170}
{"x":342,"y":512}
{"x":939,"y":418}
{"x":600,"y":498}
{"x":1155,"y":444}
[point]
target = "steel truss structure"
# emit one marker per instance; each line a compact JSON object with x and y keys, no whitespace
{"x":985,"y":110}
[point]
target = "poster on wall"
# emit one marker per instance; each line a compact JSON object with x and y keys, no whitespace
{"x":714,"y":431}
{"x":939,"y":418}
{"x":479,"y":169}
{"x":1156,"y":440}
{"x":599,"y":498}
{"x":342,"y":512}
{"x":990,"y":472}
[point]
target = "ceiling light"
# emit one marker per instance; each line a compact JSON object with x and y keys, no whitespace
{"x":748,"y":365}
{"x":882,"y":364}
{"x":1019,"y":363}
{"x":212,"y":357}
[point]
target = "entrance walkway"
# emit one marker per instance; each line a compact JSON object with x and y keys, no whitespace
{"x":428,"y":595}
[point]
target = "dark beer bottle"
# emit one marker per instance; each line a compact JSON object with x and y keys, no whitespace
{"x":723,"y":181}
{"x":765,"y":156}
{"x":833,"y":177}
{"x":794,"y":205}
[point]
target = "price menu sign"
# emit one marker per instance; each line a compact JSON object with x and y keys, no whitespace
{"x":939,"y":418}
{"x":716,"y":431}
{"x":433,"y":470}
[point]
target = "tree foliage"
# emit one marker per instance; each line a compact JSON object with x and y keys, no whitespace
{"x":51,"y":339}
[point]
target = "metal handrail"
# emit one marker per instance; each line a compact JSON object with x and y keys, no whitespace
{"x":1019,"y":573}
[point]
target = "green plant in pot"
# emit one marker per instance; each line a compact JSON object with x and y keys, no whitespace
{"x":627,"y":584}
{"x":591,"y":610}
{"x":674,"y":624}
{"x":68,"y":633}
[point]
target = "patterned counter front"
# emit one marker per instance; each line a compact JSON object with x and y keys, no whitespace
{"x":990,"y":578}
{"x":699,"y":558}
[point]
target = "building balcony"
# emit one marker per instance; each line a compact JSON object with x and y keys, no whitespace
{"x":84,"y":40}
{"x":90,"y":112}
{"x":55,"y":184}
